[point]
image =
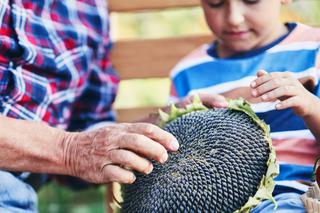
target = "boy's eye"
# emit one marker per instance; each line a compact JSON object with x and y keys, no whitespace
{"x":215,"y":3}
{"x":251,"y":1}
{"x":219,"y":3}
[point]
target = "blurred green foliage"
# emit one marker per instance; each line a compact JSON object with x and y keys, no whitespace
{"x":158,"y":24}
{"x":56,"y":199}
{"x":307,"y":10}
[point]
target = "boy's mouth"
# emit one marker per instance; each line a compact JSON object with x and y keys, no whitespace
{"x":235,"y":35}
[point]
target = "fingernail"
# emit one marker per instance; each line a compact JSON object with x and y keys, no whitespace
{"x":164,"y":158}
{"x":264,"y":97}
{"x":254,"y":93}
{"x":150,"y":168}
{"x":278,"y":106}
{"x":174,"y":145}
{"x":253,"y":84}
{"x":133,"y":179}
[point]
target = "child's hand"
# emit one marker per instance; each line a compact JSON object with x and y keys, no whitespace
{"x":209,"y":100}
{"x":285,"y":87}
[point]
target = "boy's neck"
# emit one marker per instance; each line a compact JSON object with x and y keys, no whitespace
{"x":224,"y":52}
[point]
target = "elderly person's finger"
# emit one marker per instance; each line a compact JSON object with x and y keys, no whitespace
{"x":88,"y":154}
{"x":112,"y":173}
{"x":155,"y":133}
{"x":144,"y":146}
{"x":130,"y":160}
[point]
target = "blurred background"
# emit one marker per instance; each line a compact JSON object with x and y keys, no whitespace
{"x":132,"y":93}
{"x":182,"y":22}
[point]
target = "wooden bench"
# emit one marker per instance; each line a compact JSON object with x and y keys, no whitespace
{"x":127,"y":55}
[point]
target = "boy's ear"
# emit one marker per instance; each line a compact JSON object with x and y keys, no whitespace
{"x":286,"y":1}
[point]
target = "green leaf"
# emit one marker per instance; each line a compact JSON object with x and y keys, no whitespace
{"x":176,"y":112}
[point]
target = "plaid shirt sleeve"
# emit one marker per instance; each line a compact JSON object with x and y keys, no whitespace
{"x":54,"y":62}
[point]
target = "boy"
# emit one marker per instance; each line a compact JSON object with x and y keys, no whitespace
{"x":272,"y":65}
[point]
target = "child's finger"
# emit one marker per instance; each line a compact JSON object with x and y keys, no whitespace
{"x":261,"y":79}
{"x":213,"y":100}
{"x":219,"y":104}
{"x":288,"y":103}
{"x":278,"y":93}
{"x":265,"y":77}
{"x":261,"y":73}
{"x":270,"y":85}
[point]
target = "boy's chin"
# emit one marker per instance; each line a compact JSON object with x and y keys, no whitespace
{"x":240,"y":48}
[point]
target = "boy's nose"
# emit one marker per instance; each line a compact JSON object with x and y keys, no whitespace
{"x":235,"y":14}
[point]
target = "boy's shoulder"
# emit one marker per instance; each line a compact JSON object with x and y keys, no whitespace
{"x":302,"y":37}
{"x":303,"y":33}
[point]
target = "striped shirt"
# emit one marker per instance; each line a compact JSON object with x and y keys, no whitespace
{"x":54,"y":62}
{"x":297,"y":52}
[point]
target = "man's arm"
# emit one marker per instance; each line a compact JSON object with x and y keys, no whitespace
{"x":30,"y":146}
{"x":100,"y":156}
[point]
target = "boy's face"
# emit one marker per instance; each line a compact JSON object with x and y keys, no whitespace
{"x":243,"y":25}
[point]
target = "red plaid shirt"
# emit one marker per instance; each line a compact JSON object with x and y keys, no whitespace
{"x":54,"y":62}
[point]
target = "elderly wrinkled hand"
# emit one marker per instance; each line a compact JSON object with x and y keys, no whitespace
{"x":111,"y":153}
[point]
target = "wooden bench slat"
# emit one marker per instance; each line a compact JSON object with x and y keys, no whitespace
{"x":152,"y":58}
{"x":141,"y":5}
{"x":135,"y":114}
